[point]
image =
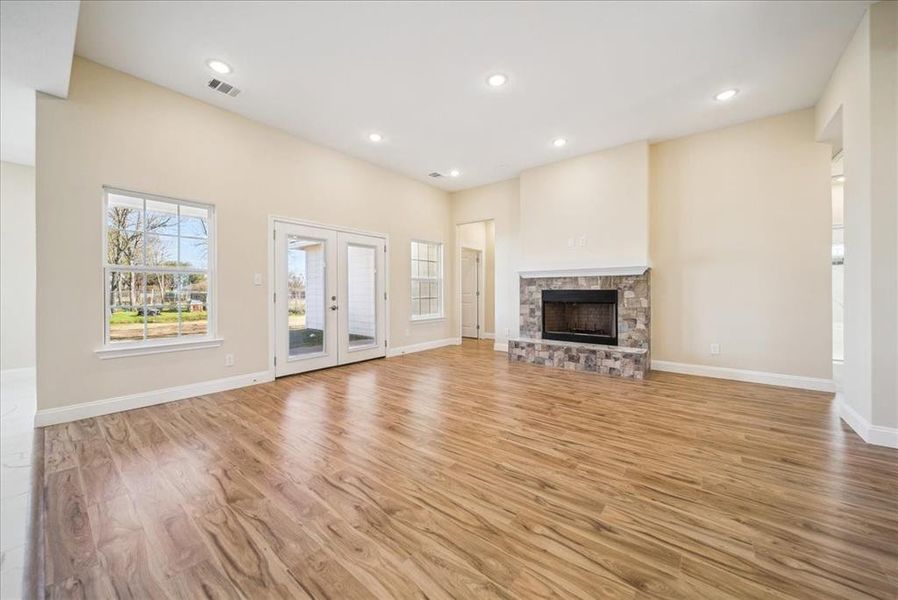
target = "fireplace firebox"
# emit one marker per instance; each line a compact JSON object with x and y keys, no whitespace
{"x":588,"y":316}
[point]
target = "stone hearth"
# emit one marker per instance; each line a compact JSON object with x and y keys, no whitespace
{"x":631,"y":363}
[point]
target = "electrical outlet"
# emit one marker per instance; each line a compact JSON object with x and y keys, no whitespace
{"x":229,"y":360}
{"x":715,"y":348}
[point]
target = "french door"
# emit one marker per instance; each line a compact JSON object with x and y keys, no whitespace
{"x":329,"y":298}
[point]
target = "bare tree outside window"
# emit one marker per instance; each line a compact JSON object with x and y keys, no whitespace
{"x":157,"y":263}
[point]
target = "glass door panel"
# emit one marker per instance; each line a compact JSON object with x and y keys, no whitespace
{"x":361,"y":297}
{"x":304,"y":300}
{"x":362,"y":285}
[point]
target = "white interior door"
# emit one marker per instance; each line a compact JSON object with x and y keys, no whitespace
{"x":470,"y":293}
{"x":362,"y":286}
{"x":305,"y":298}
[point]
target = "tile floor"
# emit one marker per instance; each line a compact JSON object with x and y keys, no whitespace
{"x":17,"y":406}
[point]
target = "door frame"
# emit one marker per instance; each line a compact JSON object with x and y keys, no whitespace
{"x":481,"y":293}
{"x":271,"y":287}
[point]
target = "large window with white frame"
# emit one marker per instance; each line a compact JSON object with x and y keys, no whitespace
{"x":427,"y":280}
{"x":158,"y":262}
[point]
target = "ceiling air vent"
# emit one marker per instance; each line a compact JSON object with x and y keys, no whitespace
{"x":224,"y":87}
{"x":434,"y":174}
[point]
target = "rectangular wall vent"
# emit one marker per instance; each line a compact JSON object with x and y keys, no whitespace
{"x":224,"y":87}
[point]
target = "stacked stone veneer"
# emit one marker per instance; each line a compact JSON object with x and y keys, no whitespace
{"x":633,"y":303}
{"x":631,"y":363}
{"x":631,"y":358}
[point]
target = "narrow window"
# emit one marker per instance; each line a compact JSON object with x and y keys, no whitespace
{"x":427,"y":280}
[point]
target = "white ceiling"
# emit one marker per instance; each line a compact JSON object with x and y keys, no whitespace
{"x":599,"y":74}
{"x":37,"y":40}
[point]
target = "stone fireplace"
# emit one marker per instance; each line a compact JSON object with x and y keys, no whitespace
{"x":598,"y":323}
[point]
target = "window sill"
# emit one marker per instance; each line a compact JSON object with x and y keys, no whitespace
{"x":427,"y":319}
{"x":123,"y":351}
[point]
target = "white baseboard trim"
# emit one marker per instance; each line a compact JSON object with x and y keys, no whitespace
{"x":421,"y":347}
{"x":17,"y":374}
{"x":65,"y":414}
{"x":792,"y":381}
{"x":487,"y":336}
{"x":838,"y":374}
{"x":871,"y":434}
{"x":500,"y":346}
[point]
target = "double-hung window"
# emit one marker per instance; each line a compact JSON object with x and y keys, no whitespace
{"x":158,"y":270}
{"x":427,"y":280}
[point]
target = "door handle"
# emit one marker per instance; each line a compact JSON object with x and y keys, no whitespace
{"x":333,"y":307}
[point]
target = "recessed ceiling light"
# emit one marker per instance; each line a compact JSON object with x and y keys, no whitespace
{"x":454,"y":173}
{"x":559,"y":142}
{"x":375,"y":137}
{"x":497,"y":80}
{"x":222,"y":68}
{"x":726,"y":95}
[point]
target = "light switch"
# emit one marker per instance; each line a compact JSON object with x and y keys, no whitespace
{"x":257,"y":279}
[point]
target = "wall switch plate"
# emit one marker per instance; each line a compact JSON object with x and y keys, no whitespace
{"x":570,"y":242}
{"x":257,"y":279}
{"x":229,"y":360}
{"x":715,"y":348}
{"x":581,"y":241}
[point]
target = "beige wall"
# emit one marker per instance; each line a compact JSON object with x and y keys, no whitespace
{"x":489,"y":257}
{"x":859,"y":106}
{"x":740,"y":248}
{"x":498,"y":202}
{"x":586,"y":212}
{"x":738,"y":230}
{"x":472,"y":235}
{"x":17,"y":266}
{"x":737,"y":223}
{"x":121,"y":131}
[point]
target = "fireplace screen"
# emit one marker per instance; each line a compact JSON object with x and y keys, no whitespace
{"x":580,"y":316}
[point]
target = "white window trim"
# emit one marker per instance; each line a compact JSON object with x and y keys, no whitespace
{"x":441,"y":315}
{"x":428,"y":319}
{"x":123,"y":349}
{"x":110,"y":349}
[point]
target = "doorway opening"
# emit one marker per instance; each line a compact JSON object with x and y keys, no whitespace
{"x":833,"y":135}
{"x":476,"y":259}
{"x":838,"y":256}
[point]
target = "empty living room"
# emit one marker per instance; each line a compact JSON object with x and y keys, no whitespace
{"x":486,"y":299}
